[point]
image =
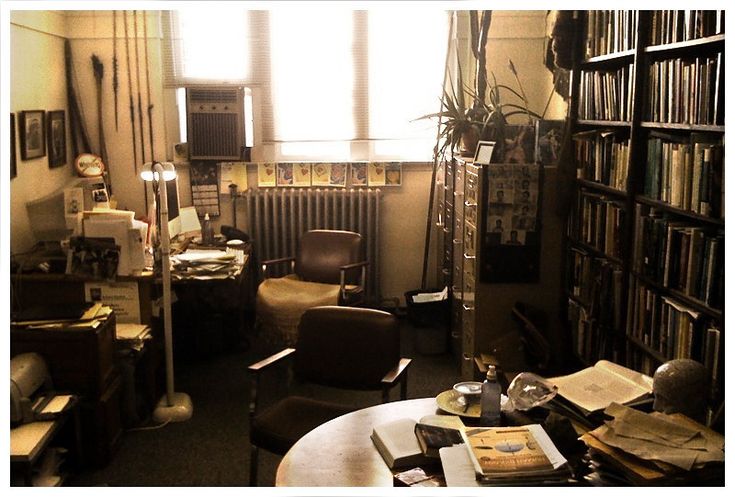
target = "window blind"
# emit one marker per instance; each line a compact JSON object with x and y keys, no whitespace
{"x":320,"y":74}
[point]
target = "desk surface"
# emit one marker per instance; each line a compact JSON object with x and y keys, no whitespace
{"x":340,"y":453}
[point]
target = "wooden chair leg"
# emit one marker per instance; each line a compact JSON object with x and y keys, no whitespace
{"x":253,"y":466}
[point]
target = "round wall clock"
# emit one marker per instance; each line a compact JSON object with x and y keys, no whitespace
{"x":89,"y":165}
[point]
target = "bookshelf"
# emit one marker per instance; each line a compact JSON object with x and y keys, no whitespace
{"x":645,"y":235}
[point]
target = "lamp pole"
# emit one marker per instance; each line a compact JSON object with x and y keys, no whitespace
{"x":174,"y":406}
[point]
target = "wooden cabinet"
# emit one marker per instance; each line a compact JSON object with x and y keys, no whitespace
{"x":81,"y":361}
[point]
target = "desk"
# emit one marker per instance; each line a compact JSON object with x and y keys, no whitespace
{"x":340,"y":453}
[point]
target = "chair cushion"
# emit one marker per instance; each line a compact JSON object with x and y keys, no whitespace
{"x":280,"y":302}
{"x":279,"y":426}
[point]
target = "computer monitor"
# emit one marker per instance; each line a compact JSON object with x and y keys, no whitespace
{"x":54,"y":216}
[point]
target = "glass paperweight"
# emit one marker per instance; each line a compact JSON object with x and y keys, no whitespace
{"x":528,"y":390}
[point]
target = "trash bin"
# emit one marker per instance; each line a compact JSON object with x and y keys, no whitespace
{"x":431,"y":320}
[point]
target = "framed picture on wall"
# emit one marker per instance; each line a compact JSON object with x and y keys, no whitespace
{"x":32,"y":134}
{"x":13,"y":163}
{"x":56,"y":138}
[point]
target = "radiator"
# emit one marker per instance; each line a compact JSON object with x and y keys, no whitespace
{"x":276,"y":218}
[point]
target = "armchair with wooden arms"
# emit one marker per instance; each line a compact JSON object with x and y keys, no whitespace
{"x":342,"y":347}
{"x":328,"y":269}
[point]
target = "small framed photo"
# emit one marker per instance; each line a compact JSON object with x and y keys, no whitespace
{"x":56,"y":138}
{"x":13,"y":161}
{"x":321,"y":173}
{"x":32,"y":134}
{"x":358,"y":173}
{"x":484,"y":152}
{"x":338,"y":175}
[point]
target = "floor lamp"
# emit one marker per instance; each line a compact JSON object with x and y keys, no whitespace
{"x":173,"y":406}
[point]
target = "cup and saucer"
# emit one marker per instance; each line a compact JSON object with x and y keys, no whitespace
{"x":462,"y":400}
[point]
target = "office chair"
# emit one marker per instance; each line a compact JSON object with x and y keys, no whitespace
{"x":337,"y":346}
{"x":328,"y":269}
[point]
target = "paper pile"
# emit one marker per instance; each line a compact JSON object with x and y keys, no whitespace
{"x":203,"y":265}
{"x":656,"y":448}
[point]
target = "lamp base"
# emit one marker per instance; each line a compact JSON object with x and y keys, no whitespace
{"x":180,"y":409}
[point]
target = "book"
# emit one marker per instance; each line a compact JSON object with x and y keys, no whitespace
{"x":514,"y":452}
{"x":431,"y":438}
{"x":398,"y":444}
{"x":594,"y":388}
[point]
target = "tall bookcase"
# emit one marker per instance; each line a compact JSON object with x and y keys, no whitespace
{"x":645,"y":258}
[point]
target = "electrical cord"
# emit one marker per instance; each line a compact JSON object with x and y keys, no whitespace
{"x":149,"y":428}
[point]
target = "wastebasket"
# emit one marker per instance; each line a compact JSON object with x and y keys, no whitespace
{"x":430,"y":320}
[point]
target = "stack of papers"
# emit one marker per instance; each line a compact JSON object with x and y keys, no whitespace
{"x":655,"y":449}
{"x":132,"y":335}
{"x":203,"y":265}
{"x":92,"y":318}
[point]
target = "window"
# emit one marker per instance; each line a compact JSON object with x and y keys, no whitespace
{"x":331,"y":83}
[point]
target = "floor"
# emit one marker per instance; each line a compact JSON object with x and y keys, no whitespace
{"x":212,"y":448}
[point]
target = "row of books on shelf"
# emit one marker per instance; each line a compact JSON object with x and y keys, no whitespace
{"x":688,"y":174}
{"x":591,"y":339}
{"x":671,"y":26}
{"x":597,"y":283}
{"x":601,"y":223}
{"x":606,"y":95}
{"x":681,"y":256}
{"x":675,"y":330}
{"x":687,"y":91}
{"x":610,"y":31}
{"x":602,"y":156}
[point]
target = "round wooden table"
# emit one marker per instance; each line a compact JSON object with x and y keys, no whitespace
{"x":340,"y":453}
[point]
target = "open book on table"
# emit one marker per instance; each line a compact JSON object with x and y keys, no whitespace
{"x":594,"y":388}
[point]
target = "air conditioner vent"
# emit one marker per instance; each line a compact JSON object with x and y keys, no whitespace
{"x":213,"y":95}
{"x":215,"y":123}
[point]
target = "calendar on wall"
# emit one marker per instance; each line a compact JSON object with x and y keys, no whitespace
{"x":204,"y":188}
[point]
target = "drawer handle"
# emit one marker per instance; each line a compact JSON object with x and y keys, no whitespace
{"x":456,"y":241}
{"x":455,"y":335}
{"x":467,"y":203}
{"x":466,"y":357}
{"x":468,"y":257}
{"x":468,"y":307}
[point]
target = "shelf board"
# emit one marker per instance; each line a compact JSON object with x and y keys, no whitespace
{"x":683,"y":45}
{"x":680,"y":212}
{"x":600,"y":122}
{"x":603,"y":188}
{"x":614,"y":56}
{"x":646,"y":348}
{"x":714,"y":128}
{"x":595,"y":252}
{"x":682,"y":297}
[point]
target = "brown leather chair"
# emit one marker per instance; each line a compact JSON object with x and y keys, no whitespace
{"x":337,"y":346}
{"x":328,"y":269}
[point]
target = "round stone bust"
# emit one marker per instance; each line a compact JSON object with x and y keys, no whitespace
{"x":681,"y":385}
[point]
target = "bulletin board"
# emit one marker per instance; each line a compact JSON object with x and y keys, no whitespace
{"x":511,"y":225}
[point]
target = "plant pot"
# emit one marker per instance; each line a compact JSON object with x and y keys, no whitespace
{"x":468,"y":142}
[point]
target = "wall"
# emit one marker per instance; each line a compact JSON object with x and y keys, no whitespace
{"x":37,"y":83}
{"x":404,"y":208}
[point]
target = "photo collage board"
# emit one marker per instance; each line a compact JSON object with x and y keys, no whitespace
{"x":329,"y":174}
{"x":511,"y":243}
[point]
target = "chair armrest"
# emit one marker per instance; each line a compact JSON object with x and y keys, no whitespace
{"x":343,"y":277}
{"x":398,"y":373}
{"x":256,"y":368}
{"x":353,"y":265}
{"x":269,"y":361}
{"x":264,"y":265}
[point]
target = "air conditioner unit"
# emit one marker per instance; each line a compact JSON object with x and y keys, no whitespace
{"x":215,"y":122}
